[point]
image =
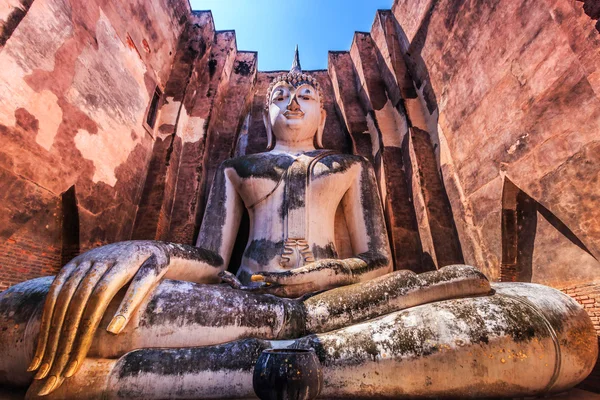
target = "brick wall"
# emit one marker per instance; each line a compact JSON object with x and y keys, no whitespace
{"x":588,"y":295}
{"x":33,"y":251}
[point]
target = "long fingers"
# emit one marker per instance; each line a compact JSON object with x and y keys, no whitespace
{"x":60,"y":309}
{"x":78,"y":302}
{"x":55,"y":288}
{"x":147,"y":276}
{"x":103,"y":293}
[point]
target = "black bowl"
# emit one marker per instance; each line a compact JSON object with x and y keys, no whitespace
{"x":287,"y":374}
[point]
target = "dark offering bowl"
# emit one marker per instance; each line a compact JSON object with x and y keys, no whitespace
{"x":287,"y":374}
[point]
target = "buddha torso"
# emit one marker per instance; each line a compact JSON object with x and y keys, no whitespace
{"x":291,"y":198}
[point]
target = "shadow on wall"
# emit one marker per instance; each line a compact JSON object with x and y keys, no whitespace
{"x":425,"y":141}
{"x":592,"y":9}
{"x":524,"y":223}
{"x":70,"y":226}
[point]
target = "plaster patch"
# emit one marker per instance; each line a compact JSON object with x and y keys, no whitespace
{"x":374,"y":133}
{"x":194,"y":131}
{"x":45,"y":108}
{"x":169,"y":111}
{"x":117,"y":102}
{"x":43,"y":30}
{"x":390,"y":123}
{"x":32,"y":47}
{"x":15,"y":94}
{"x":93,"y":147}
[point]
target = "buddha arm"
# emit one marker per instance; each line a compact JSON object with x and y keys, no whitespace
{"x":366,"y":226}
{"x":217,"y":235}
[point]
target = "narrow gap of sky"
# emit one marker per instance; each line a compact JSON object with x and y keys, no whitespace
{"x":273,"y":28}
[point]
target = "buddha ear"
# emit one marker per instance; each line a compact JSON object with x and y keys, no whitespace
{"x":319,"y":135}
{"x":267,"y":121}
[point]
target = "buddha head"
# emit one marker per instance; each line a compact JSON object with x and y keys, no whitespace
{"x":294,"y":108}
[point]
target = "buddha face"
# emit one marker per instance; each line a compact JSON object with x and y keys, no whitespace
{"x":294,"y":112}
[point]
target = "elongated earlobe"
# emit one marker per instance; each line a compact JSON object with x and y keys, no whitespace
{"x":319,"y":135}
{"x":269,"y":128}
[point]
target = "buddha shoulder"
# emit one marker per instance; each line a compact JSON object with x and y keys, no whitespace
{"x":261,"y":165}
{"x":340,"y":164}
{"x":273,"y":166}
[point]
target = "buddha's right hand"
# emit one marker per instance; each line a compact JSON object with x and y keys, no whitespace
{"x":79,"y":296}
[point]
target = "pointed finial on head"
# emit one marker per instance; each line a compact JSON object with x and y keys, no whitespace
{"x":296,"y":67}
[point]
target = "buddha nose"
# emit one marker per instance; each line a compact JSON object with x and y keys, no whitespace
{"x":293,"y":104}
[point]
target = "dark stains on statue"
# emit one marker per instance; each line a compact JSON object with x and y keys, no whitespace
{"x":263,"y":250}
{"x":332,"y":352}
{"x":211,"y":306}
{"x":295,"y":188}
{"x":211,"y":232}
{"x":512,"y":318}
{"x":328,"y":251}
{"x":25,"y":297}
{"x":235,"y":356}
{"x":150,"y":266}
{"x":335,"y":163}
{"x":264,"y":165}
{"x":186,"y":252}
{"x":371,"y":206}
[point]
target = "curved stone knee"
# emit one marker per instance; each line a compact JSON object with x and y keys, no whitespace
{"x":524,"y":340}
{"x":20,"y":311}
{"x":222,"y":371}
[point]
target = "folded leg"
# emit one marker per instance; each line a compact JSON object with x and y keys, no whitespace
{"x":524,"y":340}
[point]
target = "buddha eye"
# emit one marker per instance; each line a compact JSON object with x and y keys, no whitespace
{"x":279,"y":96}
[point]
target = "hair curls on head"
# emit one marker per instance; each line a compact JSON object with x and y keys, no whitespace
{"x":296,"y":78}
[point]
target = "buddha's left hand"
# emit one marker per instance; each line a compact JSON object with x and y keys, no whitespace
{"x":316,"y":276}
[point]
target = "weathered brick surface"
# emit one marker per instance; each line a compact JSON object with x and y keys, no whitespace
{"x":515,"y":85}
{"x":34,"y":250}
{"x":153,"y":220}
{"x":588,"y":295}
{"x":76,"y":79}
{"x":483,"y":91}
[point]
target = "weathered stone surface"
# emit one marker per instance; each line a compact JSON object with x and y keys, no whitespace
{"x":74,"y":85}
{"x":343,"y":78}
{"x":502,"y":108}
{"x":232,"y":103}
{"x":153,"y":220}
{"x":481,"y":119}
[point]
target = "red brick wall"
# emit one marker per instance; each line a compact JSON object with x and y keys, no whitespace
{"x":33,"y":251}
{"x":588,"y":295}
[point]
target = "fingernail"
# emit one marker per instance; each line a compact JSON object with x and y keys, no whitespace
{"x":49,"y":386}
{"x":71,"y":369}
{"x":34,"y":364}
{"x":41,"y":374}
{"x":117,"y":324}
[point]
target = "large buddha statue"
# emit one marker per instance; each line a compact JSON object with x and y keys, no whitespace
{"x":155,"y":320}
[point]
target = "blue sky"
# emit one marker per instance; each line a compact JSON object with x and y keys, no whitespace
{"x":274,"y":27}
